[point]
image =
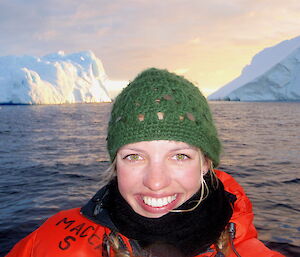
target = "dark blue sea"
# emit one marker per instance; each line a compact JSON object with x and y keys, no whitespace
{"x":51,"y":158}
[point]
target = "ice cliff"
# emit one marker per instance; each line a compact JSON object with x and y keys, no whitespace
{"x":52,"y":79}
{"x":273,"y":75}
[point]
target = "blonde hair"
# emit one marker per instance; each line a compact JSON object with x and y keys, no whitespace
{"x":116,"y":246}
{"x":222,"y":244}
{"x":109,"y":174}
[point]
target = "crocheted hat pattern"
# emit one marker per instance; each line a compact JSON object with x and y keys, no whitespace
{"x":159,"y":105}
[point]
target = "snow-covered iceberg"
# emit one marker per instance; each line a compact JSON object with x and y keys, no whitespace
{"x":52,"y":79}
{"x":273,"y":75}
{"x":280,"y":83}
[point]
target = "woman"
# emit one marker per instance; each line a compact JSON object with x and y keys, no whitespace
{"x":162,"y":195}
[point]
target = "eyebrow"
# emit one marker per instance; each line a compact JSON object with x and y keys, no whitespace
{"x":131,"y":149}
{"x":185,"y":148}
{"x":172,"y":150}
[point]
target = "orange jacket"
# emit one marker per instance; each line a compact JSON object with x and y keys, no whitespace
{"x":70,"y":233}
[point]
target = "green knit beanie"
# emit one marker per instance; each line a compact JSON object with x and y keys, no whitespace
{"x":159,"y":105}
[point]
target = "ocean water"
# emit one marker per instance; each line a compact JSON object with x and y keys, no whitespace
{"x":51,"y":158}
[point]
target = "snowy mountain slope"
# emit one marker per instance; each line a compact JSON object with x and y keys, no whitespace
{"x":52,"y":79}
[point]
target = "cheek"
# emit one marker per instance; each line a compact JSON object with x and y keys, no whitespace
{"x":190,"y":178}
{"x":128,"y":180}
{"x":123,"y":179}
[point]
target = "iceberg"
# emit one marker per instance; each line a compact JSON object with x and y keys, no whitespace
{"x":273,"y":75}
{"x":280,"y":83}
{"x":53,"y":79}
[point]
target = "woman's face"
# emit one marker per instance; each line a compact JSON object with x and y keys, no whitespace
{"x":155,"y":177}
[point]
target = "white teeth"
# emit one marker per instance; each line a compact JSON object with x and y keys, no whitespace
{"x":158,"y":202}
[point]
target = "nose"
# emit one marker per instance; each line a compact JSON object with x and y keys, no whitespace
{"x":156,"y":176}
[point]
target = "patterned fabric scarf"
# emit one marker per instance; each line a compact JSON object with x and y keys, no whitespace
{"x":190,"y":232}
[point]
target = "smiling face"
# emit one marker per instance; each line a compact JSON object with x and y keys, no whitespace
{"x":155,"y":177}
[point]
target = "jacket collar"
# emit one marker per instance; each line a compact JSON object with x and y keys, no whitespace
{"x":95,"y":209}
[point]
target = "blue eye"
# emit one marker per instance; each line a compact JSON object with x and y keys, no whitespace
{"x":180,"y":157}
{"x":133,"y":157}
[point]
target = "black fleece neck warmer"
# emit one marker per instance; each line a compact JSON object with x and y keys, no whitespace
{"x":190,"y":232}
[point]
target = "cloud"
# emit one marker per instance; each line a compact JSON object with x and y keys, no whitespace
{"x":129,"y":35}
{"x":181,"y":71}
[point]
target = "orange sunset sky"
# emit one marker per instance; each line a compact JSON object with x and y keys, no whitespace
{"x":209,"y":42}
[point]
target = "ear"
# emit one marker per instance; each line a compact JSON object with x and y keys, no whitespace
{"x":206,"y":165}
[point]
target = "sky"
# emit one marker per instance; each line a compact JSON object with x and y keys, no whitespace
{"x":208,"y":42}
